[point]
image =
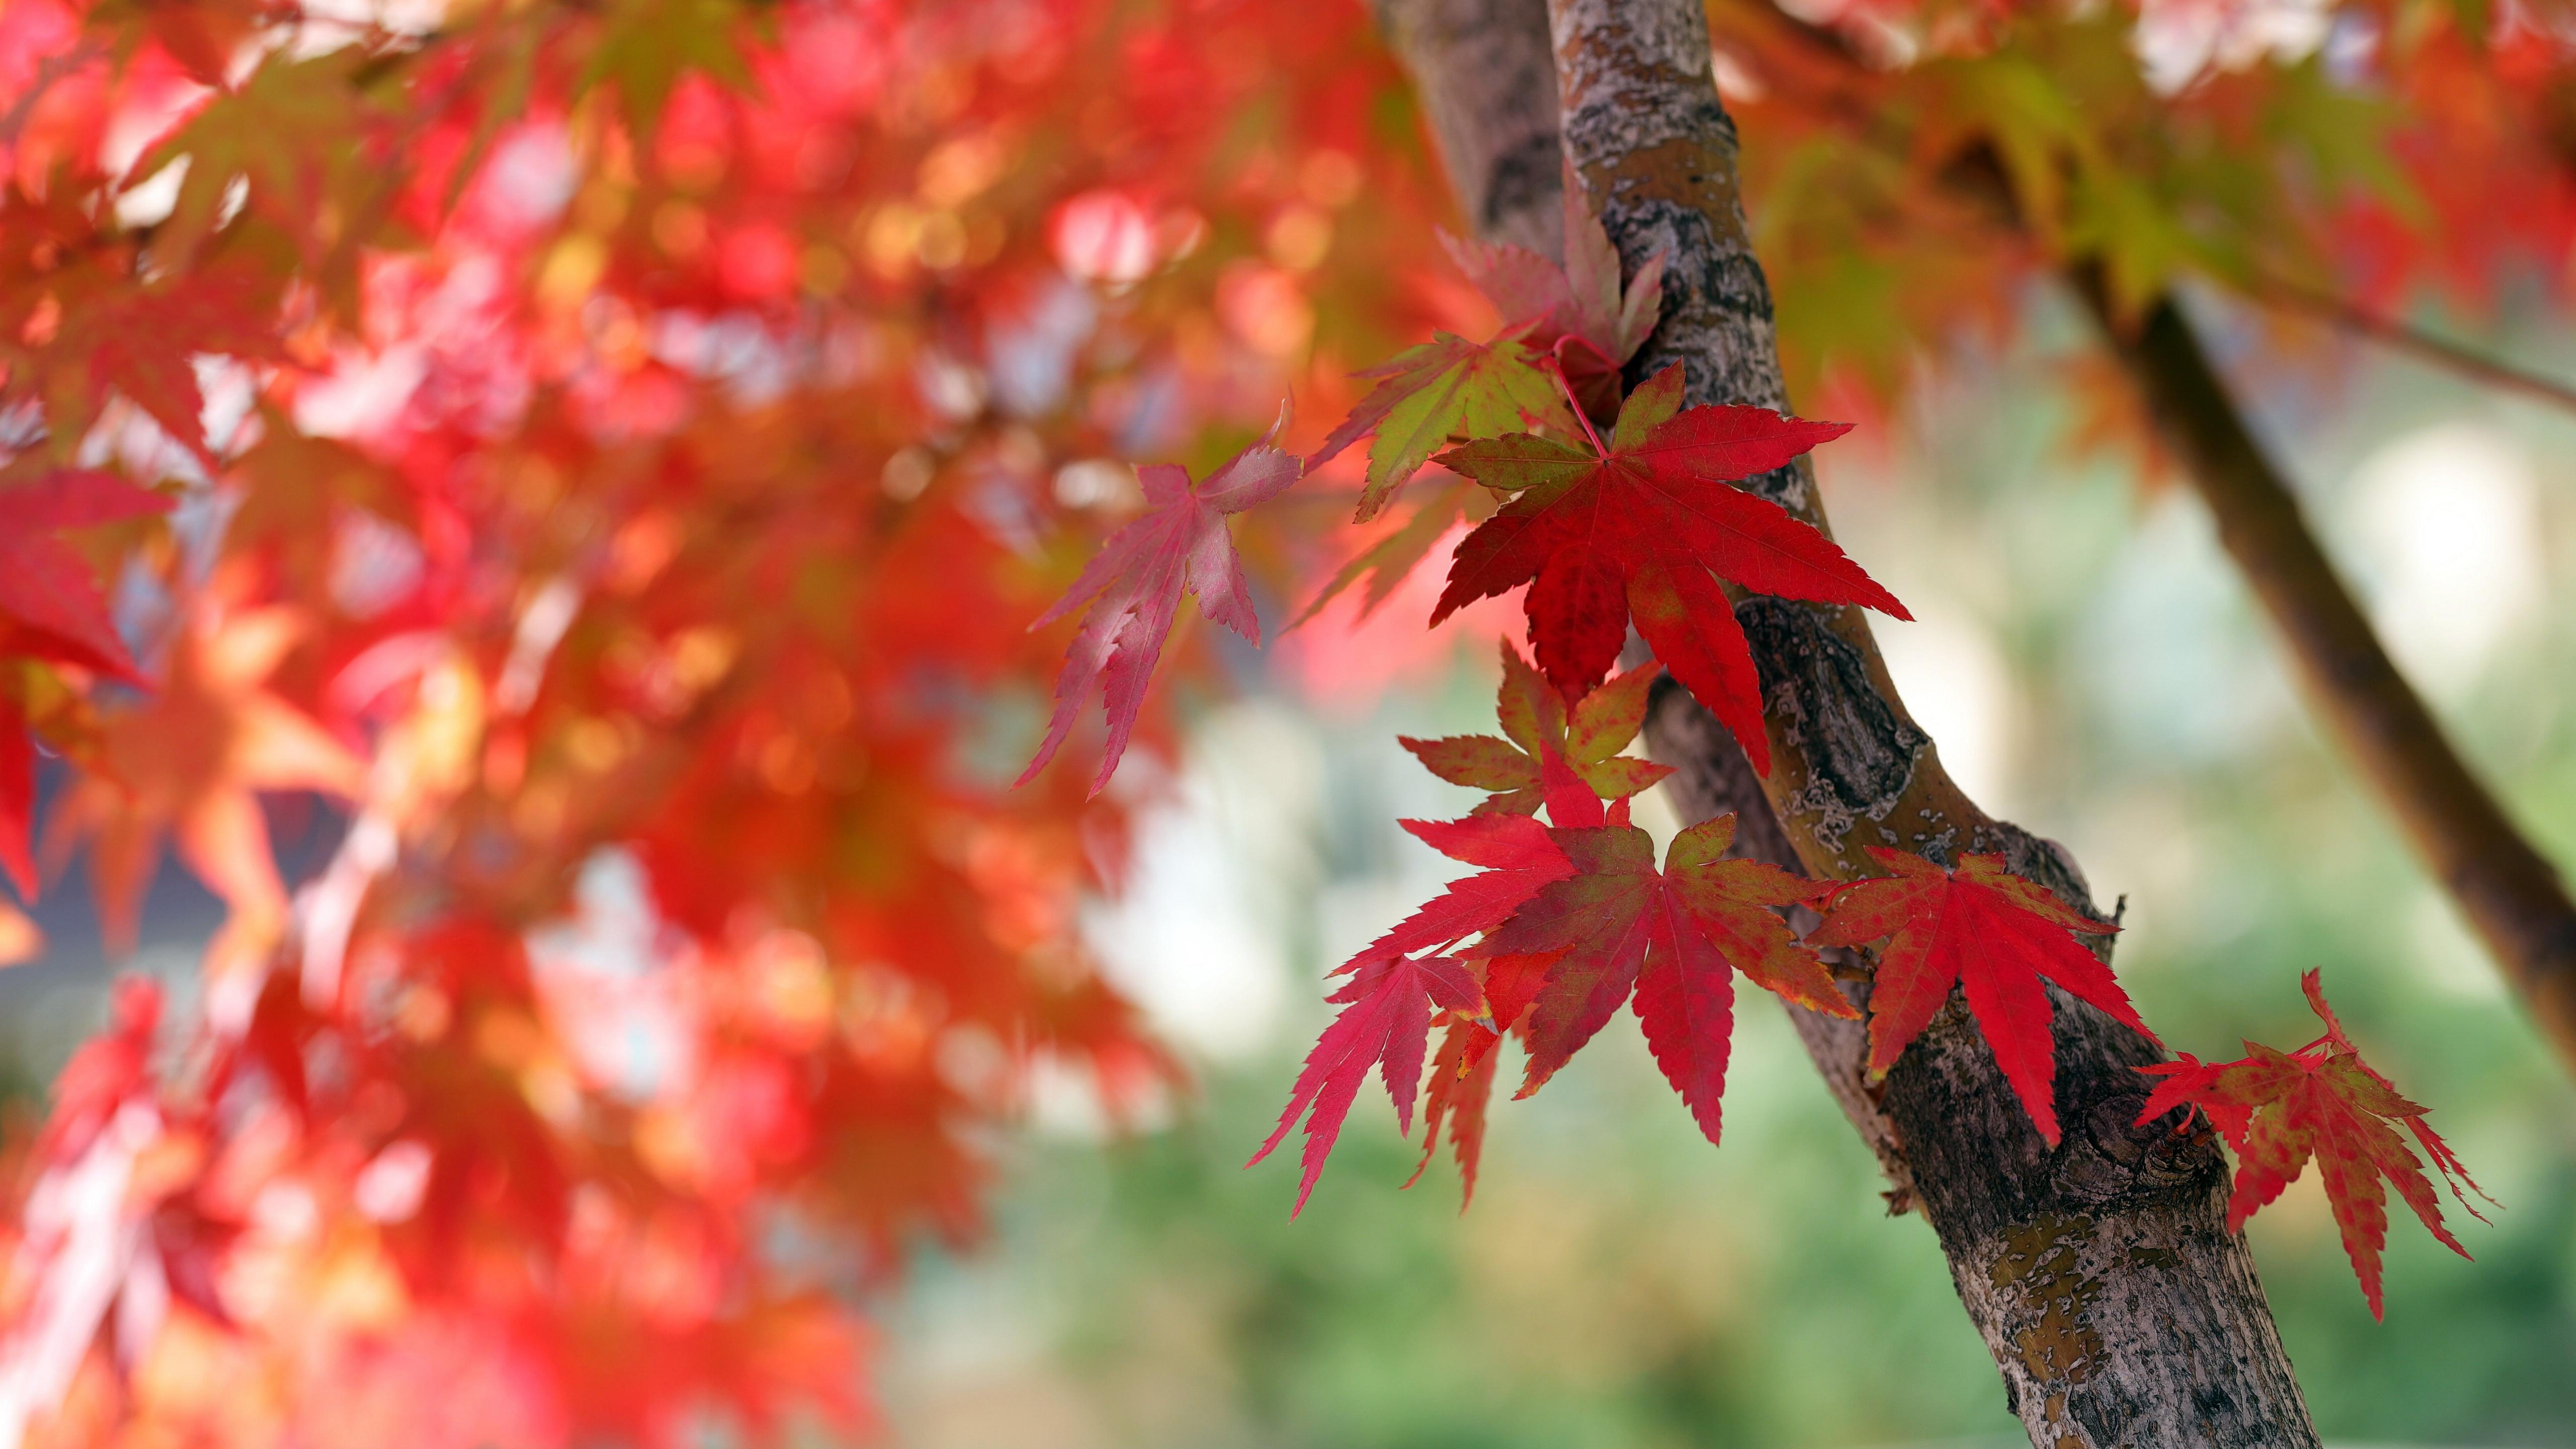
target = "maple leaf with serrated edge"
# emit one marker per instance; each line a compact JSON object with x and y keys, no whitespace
{"x":1434,"y":394}
{"x":1461,"y":1091}
{"x":1517,"y":857}
{"x":1541,"y":742}
{"x":2278,"y":1109}
{"x":1989,"y":932}
{"x":1134,"y":586}
{"x":1385,"y":1023}
{"x":1578,"y":312}
{"x":1675,"y":936}
{"x":1632,"y":530}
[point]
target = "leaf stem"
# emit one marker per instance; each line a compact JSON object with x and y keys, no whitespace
{"x":1556,"y":369}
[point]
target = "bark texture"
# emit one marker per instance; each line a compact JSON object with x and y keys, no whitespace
{"x":2119,"y":1309}
{"x":1490,"y":96}
{"x":2510,"y":893}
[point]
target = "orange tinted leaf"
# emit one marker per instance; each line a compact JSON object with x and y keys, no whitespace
{"x":2280,"y":1109}
{"x":1547,"y":757}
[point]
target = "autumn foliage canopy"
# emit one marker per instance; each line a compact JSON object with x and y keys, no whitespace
{"x":658,"y":460}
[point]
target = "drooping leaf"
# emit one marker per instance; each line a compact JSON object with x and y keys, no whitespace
{"x":1991,"y":933}
{"x":2279,"y":1109}
{"x":1674,"y":935}
{"x":1517,"y":857}
{"x":1385,"y":1023}
{"x":1133,"y":588}
{"x":1631,"y":530}
{"x":1460,"y":1091}
{"x":1537,"y":729}
{"x":1435,"y":394}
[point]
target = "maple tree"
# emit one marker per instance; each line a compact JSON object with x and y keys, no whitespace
{"x":582,"y":444}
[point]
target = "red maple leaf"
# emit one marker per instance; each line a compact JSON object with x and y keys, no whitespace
{"x":1543,"y":743}
{"x":1988,"y":931}
{"x":50,"y":605}
{"x":1676,"y":936}
{"x":1519,"y":857}
{"x":1134,"y":587}
{"x":2278,"y":1109}
{"x":1385,"y":1023}
{"x":1632,"y":530}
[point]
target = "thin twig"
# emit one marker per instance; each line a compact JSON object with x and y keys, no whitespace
{"x":2439,"y":351}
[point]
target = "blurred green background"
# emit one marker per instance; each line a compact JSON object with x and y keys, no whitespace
{"x":2094,"y":669}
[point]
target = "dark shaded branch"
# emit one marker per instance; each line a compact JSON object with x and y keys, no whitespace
{"x":2510,"y":893}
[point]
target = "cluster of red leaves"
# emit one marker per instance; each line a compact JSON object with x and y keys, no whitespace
{"x":1641,"y":529}
{"x":609,"y":455}
{"x":1572,"y":919}
{"x":2278,"y":1109}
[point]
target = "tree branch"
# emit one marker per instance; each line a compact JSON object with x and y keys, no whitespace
{"x":2506,"y":888}
{"x":2118,"y":1308}
{"x":1491,"y":100}
{"x":2413,"y":341}
{"x":2510,"y":893}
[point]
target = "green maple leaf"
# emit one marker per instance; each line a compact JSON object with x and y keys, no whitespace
{"x":646,"y":47}
{"x":261,"y":137}
{"x":1446,"y":390}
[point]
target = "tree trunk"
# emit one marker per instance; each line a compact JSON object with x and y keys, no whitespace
{"x":2117,"y":1306}
{"x":1489,"y":93}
